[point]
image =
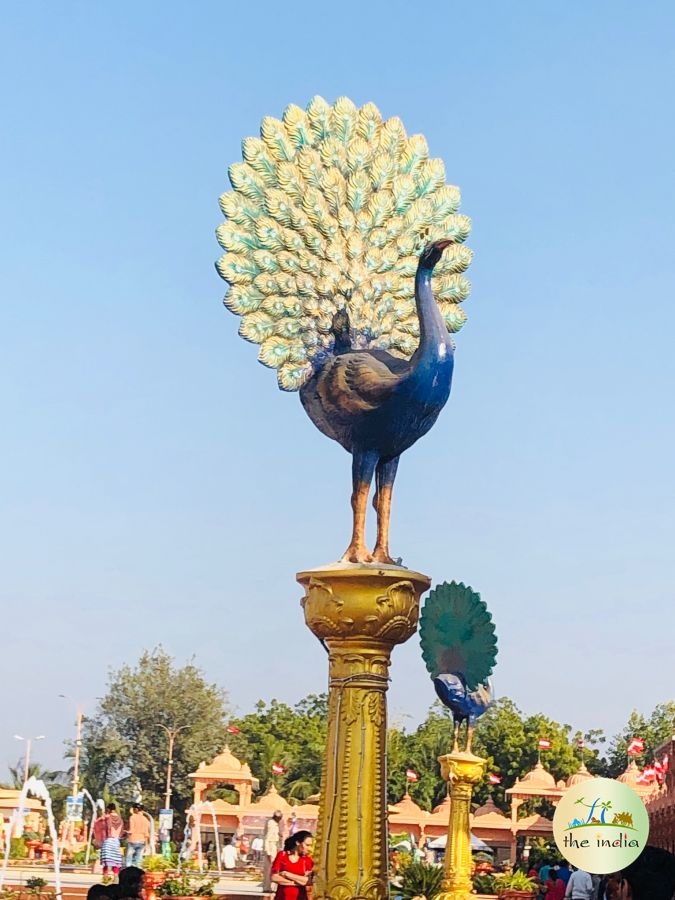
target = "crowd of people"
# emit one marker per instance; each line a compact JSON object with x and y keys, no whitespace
{"x":109,"y":830}
{"x":290,"y":865}
{"x":286,"y":861}
{"x":650,"y":877}
{"x":287,"y":865}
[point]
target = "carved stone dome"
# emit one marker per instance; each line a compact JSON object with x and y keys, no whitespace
{"x":582,"y":774}
{"x":539,"y":777}
{"x":630,"y":775}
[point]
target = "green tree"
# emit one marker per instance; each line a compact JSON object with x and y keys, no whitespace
{"x":500,"y":737}
{"x":124,"y":744}
{"x":294,"y":737}
{"x":432,"y":739}
{"x":655,"y":730}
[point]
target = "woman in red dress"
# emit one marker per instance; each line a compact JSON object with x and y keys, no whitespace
{"x":554,"y":888}
{"x":292,"y":868}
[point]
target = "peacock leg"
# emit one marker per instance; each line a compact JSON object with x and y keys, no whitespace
{"x":455,"y":745}
{"x":384,"y":480}
{"x":363,"y":467}
{"x":469,"y":736}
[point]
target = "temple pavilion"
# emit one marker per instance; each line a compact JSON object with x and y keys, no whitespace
{"x":488,"y":823}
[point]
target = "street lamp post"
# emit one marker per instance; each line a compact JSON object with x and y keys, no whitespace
{"x":78,"y":745}
{"x":29,"y":741}
{"x":172,"y":733}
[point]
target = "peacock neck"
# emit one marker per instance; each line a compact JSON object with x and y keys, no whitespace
{"x":434,"y":339}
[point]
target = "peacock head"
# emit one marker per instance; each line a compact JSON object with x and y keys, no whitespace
{"x":432,"y":253}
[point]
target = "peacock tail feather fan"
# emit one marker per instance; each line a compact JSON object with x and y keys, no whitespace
{"x":457,"y":634}
{"x":329,"y":211}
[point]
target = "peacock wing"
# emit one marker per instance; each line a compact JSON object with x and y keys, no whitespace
{"x":329,"y":211}
{"x":354,"y":383}
{"x":457,"y":634}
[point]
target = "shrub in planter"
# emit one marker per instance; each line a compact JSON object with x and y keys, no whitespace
{"x":420,"y":879}
{"x":484,"y":883}
{"x":17,"y":848}
{"x":157,"y":863}
{"x":186,"y":885}
{"x":516,"y":886}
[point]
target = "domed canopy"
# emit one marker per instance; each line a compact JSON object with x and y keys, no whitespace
{"x":444,"y":805}
{"x":407,"y":807}
{"x":489,"y":813}
{"x":536,"y":783}
{"x":539,"y":776}
{"x":582,"y":774}
{"x":630,"y":777}
{"x":270,"y":802}
{"x":224,"y":767}
{"x":228,"y":770}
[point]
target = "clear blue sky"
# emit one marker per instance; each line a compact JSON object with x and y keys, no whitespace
{"x":157,"y":487}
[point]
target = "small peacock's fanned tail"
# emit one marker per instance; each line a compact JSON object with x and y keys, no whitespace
{"x":329,"y":211}
{"x":457,"y":634}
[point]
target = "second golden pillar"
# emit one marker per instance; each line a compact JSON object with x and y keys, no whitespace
{"x":463,"y":771}
{"x":360,"y":613}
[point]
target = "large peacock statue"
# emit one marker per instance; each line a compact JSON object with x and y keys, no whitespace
{"x":459,"y":648}
{"x":335,"y":223}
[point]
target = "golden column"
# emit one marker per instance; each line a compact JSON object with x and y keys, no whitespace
{"x":464,"y":771}
{"x":360,"y":612}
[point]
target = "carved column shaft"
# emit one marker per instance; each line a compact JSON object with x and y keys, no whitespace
{"x":361,"y":613}
{"x":464,"y":771}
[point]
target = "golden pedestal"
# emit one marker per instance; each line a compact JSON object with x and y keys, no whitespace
{"x":361,"y":612}
{"x":464,"y":771}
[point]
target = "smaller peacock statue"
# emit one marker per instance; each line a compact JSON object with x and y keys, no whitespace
{"x":459,"y":648}
{"x":336,"y":222}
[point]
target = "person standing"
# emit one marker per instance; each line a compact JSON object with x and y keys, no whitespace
{"x":138,"y":835}
{"x":554,"y":887}
{"x":580,"y":886}
{"x":564,"y":871}
{"x":230,"y":855}
{"x":544,"y":870}
{"x":111,"y":852}
{"x":271,"y":847}
{"x":257,"y":849}
{"x":293,"y":866}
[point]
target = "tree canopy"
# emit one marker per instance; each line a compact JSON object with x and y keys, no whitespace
{"x":124,"y":744}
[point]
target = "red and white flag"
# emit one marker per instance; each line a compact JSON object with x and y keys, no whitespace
{"x":278,"y":769}
{"x":544,"y":744}
{"x":649,"y":774}
{"x":411,"y":775}
{"x":232,"y":729}
{"x":581,"y":743}
{"x":635,"y":746}
{"x":494,"y":779}
{"x":665,"y":762}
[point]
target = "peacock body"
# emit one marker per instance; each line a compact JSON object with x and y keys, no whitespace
{"x":336,"y":220}
{"x":459,"y":648}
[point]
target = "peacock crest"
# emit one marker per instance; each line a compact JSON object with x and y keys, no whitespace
{"x":329,"y":212}
{"x":457,"y":634}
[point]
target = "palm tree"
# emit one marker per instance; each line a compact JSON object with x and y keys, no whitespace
{"x":35,"y":770}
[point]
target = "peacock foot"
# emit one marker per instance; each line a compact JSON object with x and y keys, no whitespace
{"x":381,"y":555}
{"x":357,"y":553}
